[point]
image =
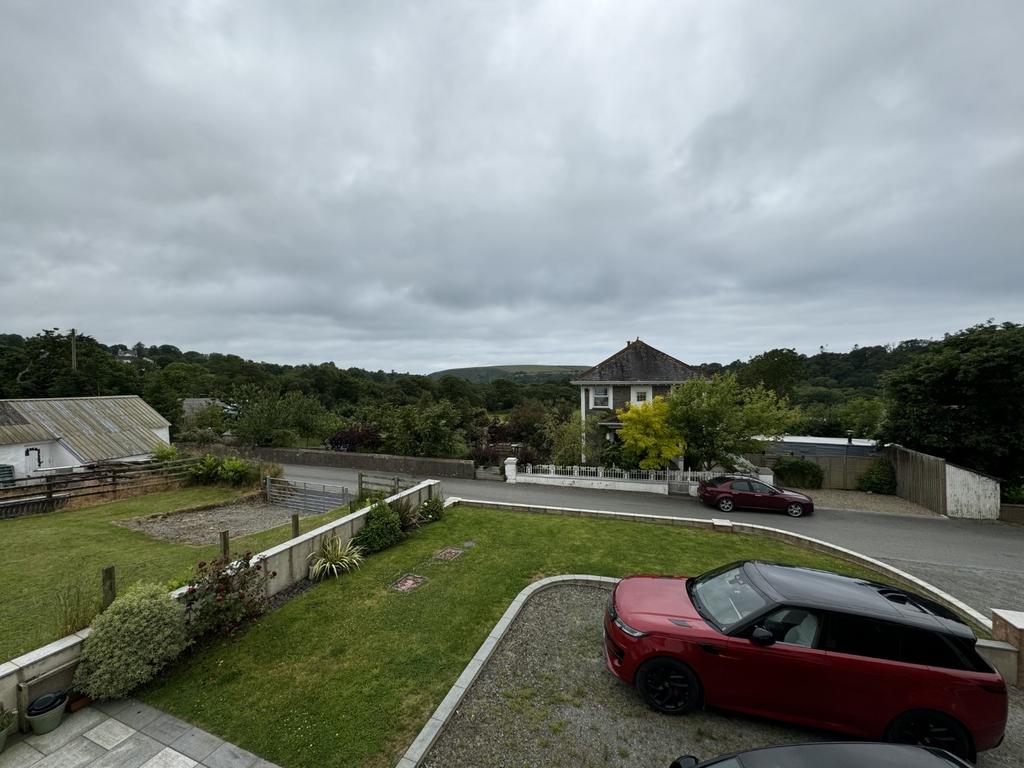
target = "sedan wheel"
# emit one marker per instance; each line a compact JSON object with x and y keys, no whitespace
{"x":668,"y":686}
{"x":795,"y":509}
{"x":932,"y":729}
{"x":725,"y":504}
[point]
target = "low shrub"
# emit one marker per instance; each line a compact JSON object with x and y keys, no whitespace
{"x":432,"y":509}
{"x":167,"y":453}
{"x":485,"y":456}
{"x":7,"y":717}
{"x":880,"y":477}
{"x":383,"y":528}
{"x":284,"y":438}
{"x":131,"y":641}
{"x":206,"y":470}
{"x":335,"y":558}
{"x":235,"y":471}
{"x":204,"y":436}
{"x":798,"y":473}
{"x":408,"y":515}
{"x":225,"y":593}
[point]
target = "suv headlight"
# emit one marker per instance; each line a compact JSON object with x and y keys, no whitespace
{"x":628,"y":629}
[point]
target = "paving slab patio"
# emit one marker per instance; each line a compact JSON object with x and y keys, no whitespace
{"x":125,"y":734}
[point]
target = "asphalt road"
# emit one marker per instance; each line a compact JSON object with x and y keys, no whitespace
{"x":979,"y":562}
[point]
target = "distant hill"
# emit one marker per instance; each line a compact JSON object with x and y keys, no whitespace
{"x":524,"y":374}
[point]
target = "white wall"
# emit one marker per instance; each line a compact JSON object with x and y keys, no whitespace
{"x":603,"y":483}
{"x":969,"y":494}
{"x":52,"y":454}
{"x":164,"y":433}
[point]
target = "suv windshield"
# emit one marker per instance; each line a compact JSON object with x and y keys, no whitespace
{"x":728,"y":597}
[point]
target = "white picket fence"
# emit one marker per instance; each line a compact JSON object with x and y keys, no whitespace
{"x":614,"y":473}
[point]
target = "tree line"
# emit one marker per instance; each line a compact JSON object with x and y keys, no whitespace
{"x":958,"y":397}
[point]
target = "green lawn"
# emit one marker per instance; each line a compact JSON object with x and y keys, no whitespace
{"x":347,"y":673}
{"x":45,"y":554}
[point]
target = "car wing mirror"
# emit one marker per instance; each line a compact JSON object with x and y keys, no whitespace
{"x":762,"y":637}
{"x":687,"y":761}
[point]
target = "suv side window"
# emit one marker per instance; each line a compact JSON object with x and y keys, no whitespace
{"x":860,"y":636}
{"x":919,"y":646}
{"x":740,"y":485}
{"x":758,"y":487}
{"x":795,"y":626}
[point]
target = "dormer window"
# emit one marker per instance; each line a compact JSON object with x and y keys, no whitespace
{"x":640,"y":395}
{"x":601,"y":397}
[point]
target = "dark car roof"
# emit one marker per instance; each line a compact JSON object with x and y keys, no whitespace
{"x":825,"y":590}
{"x":845,"y":755}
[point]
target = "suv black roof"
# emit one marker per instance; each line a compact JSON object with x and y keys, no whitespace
{"x":811,"y":588}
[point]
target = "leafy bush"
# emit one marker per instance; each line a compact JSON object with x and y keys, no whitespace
{"x":485,"y":456}
{"x":6,"y":718}
{"x":225,"y":593}
{"x":335,"y":558}
{"x":1013,"y":494}
{"x":355,"y":437}
{"x":798,"y":473}
{"x":880,"y":477}
{"x":206,"y":470}
{"x":383,"y":528}
{"x":204,"y":436}
{"x":167,"y":453}
{"x":237,"y":471}
{"x":137,"y":636}
{"x":432,"y":509}
{"x":283,"y":438}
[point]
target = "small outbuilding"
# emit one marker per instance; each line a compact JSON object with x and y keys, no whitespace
{"x":68,"y":432}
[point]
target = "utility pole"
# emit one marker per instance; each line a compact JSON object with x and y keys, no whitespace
{"x":74,"y":351}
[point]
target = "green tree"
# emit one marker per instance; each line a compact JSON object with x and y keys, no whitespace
{"x":960,"y":399}
{"x":777,"y":369}
{"x":645,"y":433}
{"x":572,"y":437}
{"x":717,"y":418}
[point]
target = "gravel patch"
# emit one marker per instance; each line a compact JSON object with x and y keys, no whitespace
{"x":545,"y":698}
{"x":204,"y":526}
{"x":866,"y":502}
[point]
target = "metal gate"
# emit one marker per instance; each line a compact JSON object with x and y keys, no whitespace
{"x":309,"y":498}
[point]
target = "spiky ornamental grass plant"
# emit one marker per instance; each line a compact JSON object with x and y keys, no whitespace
{"x":335,"y":558}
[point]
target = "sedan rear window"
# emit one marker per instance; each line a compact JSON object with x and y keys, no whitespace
{"x":728,"y":597}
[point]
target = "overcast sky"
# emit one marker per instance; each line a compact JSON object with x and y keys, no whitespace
{"x":421,"y":185}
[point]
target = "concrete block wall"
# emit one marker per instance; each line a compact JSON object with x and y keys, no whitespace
{"x":368,"y":462}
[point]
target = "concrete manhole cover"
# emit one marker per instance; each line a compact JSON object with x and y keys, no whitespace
{"x":408,"y":582}
{"x":448,"y":553}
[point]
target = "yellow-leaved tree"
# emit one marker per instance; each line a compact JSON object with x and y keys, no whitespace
{"x":645,"y":433}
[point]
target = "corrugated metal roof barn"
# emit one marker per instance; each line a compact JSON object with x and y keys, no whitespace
{"x":92,"y":428}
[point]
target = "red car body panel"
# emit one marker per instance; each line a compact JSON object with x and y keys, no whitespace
{"x":807,"y":686}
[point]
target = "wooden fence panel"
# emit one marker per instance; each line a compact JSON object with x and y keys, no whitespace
{"x":920,"y":478}
{"x":840,"y":472}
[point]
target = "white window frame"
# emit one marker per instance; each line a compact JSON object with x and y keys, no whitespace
{"x":648,"y":390}
{"x":594,"y":396}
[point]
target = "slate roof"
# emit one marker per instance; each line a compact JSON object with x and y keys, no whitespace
{"x":92,"y":428}
{"x":639,"y":363}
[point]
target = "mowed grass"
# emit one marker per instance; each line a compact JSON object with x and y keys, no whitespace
{"x":347,"y":673}
{"x":46,"y":555}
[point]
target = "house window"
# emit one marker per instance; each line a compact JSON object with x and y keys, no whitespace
{"x":641,"y":394}
{"x":601,"y":397}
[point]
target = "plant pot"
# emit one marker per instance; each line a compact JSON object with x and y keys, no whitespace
{"x":45,"y":713}
{"x":79,"y":701}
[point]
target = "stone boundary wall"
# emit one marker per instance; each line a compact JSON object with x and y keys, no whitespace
{"x":288,"y":559}
{"x":368,"y":462}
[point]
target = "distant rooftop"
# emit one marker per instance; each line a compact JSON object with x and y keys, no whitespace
{"x":638,"y":362}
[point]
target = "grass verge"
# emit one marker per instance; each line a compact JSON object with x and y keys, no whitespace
{"x":53,"y":561}
{"x":347,"y":673}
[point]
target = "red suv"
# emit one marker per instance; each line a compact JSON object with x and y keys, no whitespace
{"x":729,"y":493}
{"x":810,"y":647}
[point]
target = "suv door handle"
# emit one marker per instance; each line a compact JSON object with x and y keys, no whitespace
{"x":708,"y":648}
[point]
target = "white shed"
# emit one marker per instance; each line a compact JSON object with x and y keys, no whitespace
{"x":48,"y":433}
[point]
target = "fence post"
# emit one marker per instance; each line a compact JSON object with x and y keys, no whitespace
{"x":351,"y":506}
{"x":395,"y":485}
{"x":267,"y":490}
{"x":225,"y":543}
{"x":295,"y":526}
{"x":108,"y":581}
{"x":113,"y":482}
{"x":359,"y":487}
{"x":49,"y":486}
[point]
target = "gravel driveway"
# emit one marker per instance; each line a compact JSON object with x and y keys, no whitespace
{"x":204,"y":526}
{"x":545,"y":698}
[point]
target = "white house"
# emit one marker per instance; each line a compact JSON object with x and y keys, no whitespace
{"x":67,"y":432}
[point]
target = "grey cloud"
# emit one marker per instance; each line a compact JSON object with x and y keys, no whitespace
{"x":414,"y":186}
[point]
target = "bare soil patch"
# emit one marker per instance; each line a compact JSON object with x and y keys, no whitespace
{"x":202,"y":526}
{"x":545,"y":698}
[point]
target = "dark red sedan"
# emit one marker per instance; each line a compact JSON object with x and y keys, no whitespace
{"x":810,"y":647}
{"x":729,"y":493}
